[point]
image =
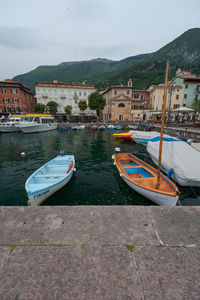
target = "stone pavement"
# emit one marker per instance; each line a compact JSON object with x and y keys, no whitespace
{"x":99,"y":252}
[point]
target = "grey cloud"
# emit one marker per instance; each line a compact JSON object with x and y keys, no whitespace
{"x":19,"y":38}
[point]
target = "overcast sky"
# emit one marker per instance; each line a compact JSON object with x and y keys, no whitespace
{"x":48,"y":32}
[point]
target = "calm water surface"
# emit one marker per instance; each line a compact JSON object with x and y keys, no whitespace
{"x":96,"y":181}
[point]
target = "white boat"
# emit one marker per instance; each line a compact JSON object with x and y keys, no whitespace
{"x":81,"y":127}
{"x":32,"y":123}
{"x":49,"y":178}
{"x":142,"y":137}
{"x":181,"y":159}
{"x":11,"y":124}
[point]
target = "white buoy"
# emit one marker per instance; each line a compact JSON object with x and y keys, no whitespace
{"x":23,"y":154}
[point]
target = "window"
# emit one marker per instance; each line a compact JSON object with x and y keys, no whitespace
{"x":6,"y":100}
{"x":75,"y":101}
{"x":134,"y":106}
{"x":141,"y":97}
{"x":17,"y":109}
{"x":15,"y":100}
{"x":186,"y":86}
{"x":7,"y":109}
{"x":184,"y":104}
{"x":196,"y":97}
{"x":115,"y":92}
{"x":80,"y":93}
{"x":128,"y":92}
{"x":136,"y":96}
{"x":177,"y":97}
{"x":4,"y":91}
{"x":121,"y":117}
{"x":185,"y":96}
{"x":84,"y":93}
{"x":14,"y":91}
{"x":121,"y":105}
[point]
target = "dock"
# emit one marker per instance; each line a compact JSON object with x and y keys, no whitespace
{"x":100,"y":252}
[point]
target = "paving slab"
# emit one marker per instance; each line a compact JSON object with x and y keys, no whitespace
{"x":169,"y":273}
{"x":35,"y":272}
{"x":176,"y":226}
{"x":77,"y":225}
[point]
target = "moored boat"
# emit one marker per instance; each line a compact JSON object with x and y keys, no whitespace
{"x":74,"y":127}
{"x":94,"y":128}
{"x":11,"y":124}
{"x":102,"y":128}
{"x":49,"y":178}
{"x":119,"y":135}
{"x":142,"y":178}
{"x":32,"y":123}
{"x":111,"y":127}
{"x":63,"y":127}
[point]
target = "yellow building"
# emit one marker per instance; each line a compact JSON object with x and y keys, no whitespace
{"x":173,"y":100}
{"x":123,"y":103}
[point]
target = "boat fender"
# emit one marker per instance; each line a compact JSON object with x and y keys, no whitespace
{"x":120,"y":174}
{"x":70,"y":167}
{"x":74,"y":169}
{"x":170,"y":172}
{"x":114,"y":163}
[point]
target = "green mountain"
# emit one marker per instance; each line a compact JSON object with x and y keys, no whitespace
{"x":76,"y":72}
{"x":144,"y":69}
{"x":183,"y":52}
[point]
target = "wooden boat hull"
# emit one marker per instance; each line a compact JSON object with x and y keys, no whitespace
{"x":142,"y":178}
{"x":157,"y":198}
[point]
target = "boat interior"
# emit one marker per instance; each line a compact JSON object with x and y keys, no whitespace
{"x":142,"y":174}
{"x":52,"y":172}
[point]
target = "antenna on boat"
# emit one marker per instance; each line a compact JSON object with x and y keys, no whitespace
{"x":162,"y":125}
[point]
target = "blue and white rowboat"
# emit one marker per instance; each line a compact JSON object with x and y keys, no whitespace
{"x":49,"y":178}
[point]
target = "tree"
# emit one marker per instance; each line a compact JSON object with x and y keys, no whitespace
{"x":96,"y":102}
{"x":82,"y":106}
{"x":52,"y":107}
{"x":39,"y":108}
{"x":68,"y":110}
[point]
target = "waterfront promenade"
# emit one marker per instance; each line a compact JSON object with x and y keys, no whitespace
{"x":99,"y":252}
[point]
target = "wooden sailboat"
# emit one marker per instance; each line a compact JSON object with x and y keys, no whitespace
{"x":142,"y":177}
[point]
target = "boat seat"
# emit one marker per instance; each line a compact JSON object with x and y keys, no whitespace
{"x":49,"y":175}
{"x":139,"y":171}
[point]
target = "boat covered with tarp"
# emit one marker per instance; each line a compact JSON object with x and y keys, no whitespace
{"x":178,"y":158}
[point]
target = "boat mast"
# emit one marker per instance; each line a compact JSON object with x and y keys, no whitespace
{"x":162,"y":125}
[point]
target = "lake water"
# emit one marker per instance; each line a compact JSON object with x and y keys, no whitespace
{"x":96,"y":181}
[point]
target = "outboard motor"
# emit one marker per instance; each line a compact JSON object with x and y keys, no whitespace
{"x":117,"y":150}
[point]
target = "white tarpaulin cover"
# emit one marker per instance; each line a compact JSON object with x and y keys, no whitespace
{"x":179,"y":156}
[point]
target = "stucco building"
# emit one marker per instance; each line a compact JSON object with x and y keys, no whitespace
{"x":64,"y":94}
{"x":191,"y":87}
{"x":173,"y":100}
{"x":15,"y":98}
{"x":123,"y":103}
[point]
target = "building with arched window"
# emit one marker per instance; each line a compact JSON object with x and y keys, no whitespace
{"x":123,"y":103}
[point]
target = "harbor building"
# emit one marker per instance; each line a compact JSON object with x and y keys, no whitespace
{"x":15,"y":98}
{"x":191,"y":87}
{"x":173,"y":100}
{"x":123,"y":103}
{"x":64,"y":94}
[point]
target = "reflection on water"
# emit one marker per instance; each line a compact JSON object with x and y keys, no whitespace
{"x":96,"y":181}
